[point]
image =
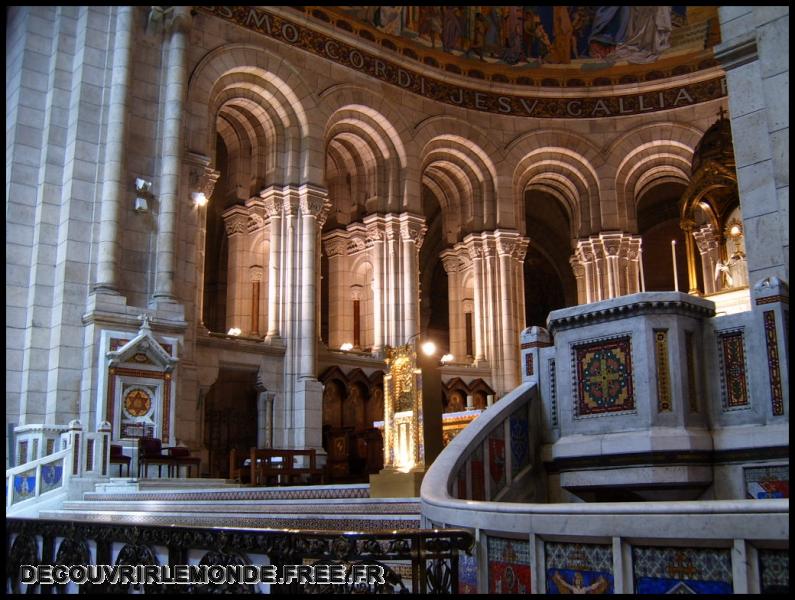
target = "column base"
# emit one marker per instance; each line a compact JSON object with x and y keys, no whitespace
{"x":390,"y":483}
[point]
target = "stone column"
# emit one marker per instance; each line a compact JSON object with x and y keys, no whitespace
{"x":375,"y":239}
{"x":476,"y":253}
{"x":578,"y":268}
{"x":708,"y":244}
{"x":255,"y":275}
{"x":611,"y":242}
{"x":202,"y":181}
{"x":335,"y":244}
{"x":313,"y":203}
{"x":273,"y":207}
{"x":176,"y":85}
{"x":451,"y":265}
{"x":235,"y":222}
{"x":412,"y":232}
{"x":519,"y":253}
{"x":506,"y":243}
{"x":113,"y":186}
{"x":687,"y":227}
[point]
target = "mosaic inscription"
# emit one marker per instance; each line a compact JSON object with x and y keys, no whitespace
{"x":767,"y":482}
{"x":553,"y":396}
{"x":732,"y":369}
{"x":509,"y":566}
{"x":603,"y":370}
{"x":681,"y":570}
{"x":578,"y":568}
{"x":776,"y":395}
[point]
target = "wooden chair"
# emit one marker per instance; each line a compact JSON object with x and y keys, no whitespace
{"x":150,"y":452}
{"x":117,"y":458}
{"x":181,"y":457}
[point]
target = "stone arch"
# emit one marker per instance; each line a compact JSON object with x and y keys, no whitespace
{"x":267,"y":81}
{"x":642,"y":155}
{"x":560,"y":163}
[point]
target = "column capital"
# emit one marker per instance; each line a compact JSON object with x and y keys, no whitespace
{"x":255,"y":273}
{"x":272,"y":201}
{"x":178,"y":18}
{"x":356,"y":292}
{"x":236,"y":220}
{"x":335,"y":243}
{"x":201,"y":178}
{"x":412,"y":229}
{"x":450,"y":261}
{"x":577,"y":266}
{"x":507,"y":242}
{"x":313,"y":201}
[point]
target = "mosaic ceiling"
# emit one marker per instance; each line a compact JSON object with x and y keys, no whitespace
{"x":560,"y":40}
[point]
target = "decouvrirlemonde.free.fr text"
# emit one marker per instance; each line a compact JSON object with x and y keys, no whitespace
{"x":336,"y":574}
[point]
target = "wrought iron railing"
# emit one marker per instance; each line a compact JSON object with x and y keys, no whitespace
{"x":413,"y":561}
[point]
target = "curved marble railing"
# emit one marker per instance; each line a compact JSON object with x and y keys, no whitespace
{"x":743,"y":537}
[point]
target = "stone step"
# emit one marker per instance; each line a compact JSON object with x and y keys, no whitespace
{"x":358,"y":522}
{"x":244,"y":493}
{"x":346,"y":506}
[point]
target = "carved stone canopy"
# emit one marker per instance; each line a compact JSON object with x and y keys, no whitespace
{"x":143,"y":343}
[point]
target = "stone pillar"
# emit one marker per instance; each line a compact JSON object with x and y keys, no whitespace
{"x":235,"y":222}
{"x":273,"y":207}
{"x":255,"y":275}
{"x":313,"y":203}
{"x":375,"y":239}
{"x":113,"y":185}
{"x":476,"y":254}
{"x":452,"y":266}
{"x":505,"y":247}
{"x":176,"y":86}
{"x":578,"y":268}
{"x":708,"y":244}
{"x":519,"y":253}
{"x":690,"y":252}
{"x":202,"y":181}
{"x":335,"y":244}
{"x":412,"y":232}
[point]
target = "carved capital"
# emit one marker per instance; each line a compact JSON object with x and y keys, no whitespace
{"x":272,"y":201}
{"x":314,"y":201}
{"x":356,"y":292}
{"x":236,"y":221}
{"x":576,"y":266}
{"x":255,"y":273}
{"x":335,"y":244}
{"x":201,"y":177}
{"x":255,"y":222}
{"x":450,"y":262}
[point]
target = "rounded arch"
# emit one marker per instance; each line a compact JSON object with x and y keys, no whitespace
{"x":268,"y":81}
{"x":561,"y":163}
{"x":637,"y":157}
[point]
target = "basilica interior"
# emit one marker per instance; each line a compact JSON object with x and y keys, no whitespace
{"x":222,"y":222}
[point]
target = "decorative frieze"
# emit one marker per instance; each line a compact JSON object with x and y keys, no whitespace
{"x":733,"y":371}
{"x":663,"y":377}
{"x":771,"y":339}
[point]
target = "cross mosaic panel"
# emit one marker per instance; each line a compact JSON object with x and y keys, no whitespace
{"x":520,"y":441}
{"x":509,"y":566}
{"x":681,"y":570}
{"x":767,"y":482}
{"x":497,"y":460}
{"x":467,"y":574}
{"x":578,"y":568}
{"x":774,"y":571}
{"x":603,"y":374}
{"x":732,"y":369}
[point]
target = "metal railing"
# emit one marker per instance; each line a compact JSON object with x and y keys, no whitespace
{"x":413,"y":561}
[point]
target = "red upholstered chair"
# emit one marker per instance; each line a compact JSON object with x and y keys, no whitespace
{"x":117,"y":458}
{"x":181,"y":456}
{"x":150,"y":452}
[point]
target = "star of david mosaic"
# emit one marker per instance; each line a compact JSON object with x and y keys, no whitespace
{"x":604,"y":376}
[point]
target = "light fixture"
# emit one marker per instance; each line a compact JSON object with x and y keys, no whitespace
{"x":447,"y":358}
{"x":143,"y":192}
{"x":734,"y":231}
{"x":234,"y":331}
{"x":429,"y":348}
{"x":199,"y":198}
{"x":346,"y":347}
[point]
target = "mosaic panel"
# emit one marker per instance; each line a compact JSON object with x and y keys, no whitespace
{"x":767,"y":482}
{"x":663,"y":373}
{"x":578,"y":568}
{"x":497,"y":460}
{"x":467,"y":574}
{"x":509,"y":566}
{"x":528,"y":364}
{"x":24,"y":485}
{"x":776,"y":395}
{"x":553,"y":395}
{"x":603,"y":370}
{"x":520,"y":441}
{"x":476,"y":474}
{"x":692,"y":395}
{"x":22,"y":453}
{"x":774,"y":571}
{"x":50,"y":446}
{"x":681,"y":570}
{"x":51,"y":476}
{"x":34,"y":451}
{"x":732,"y":369}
